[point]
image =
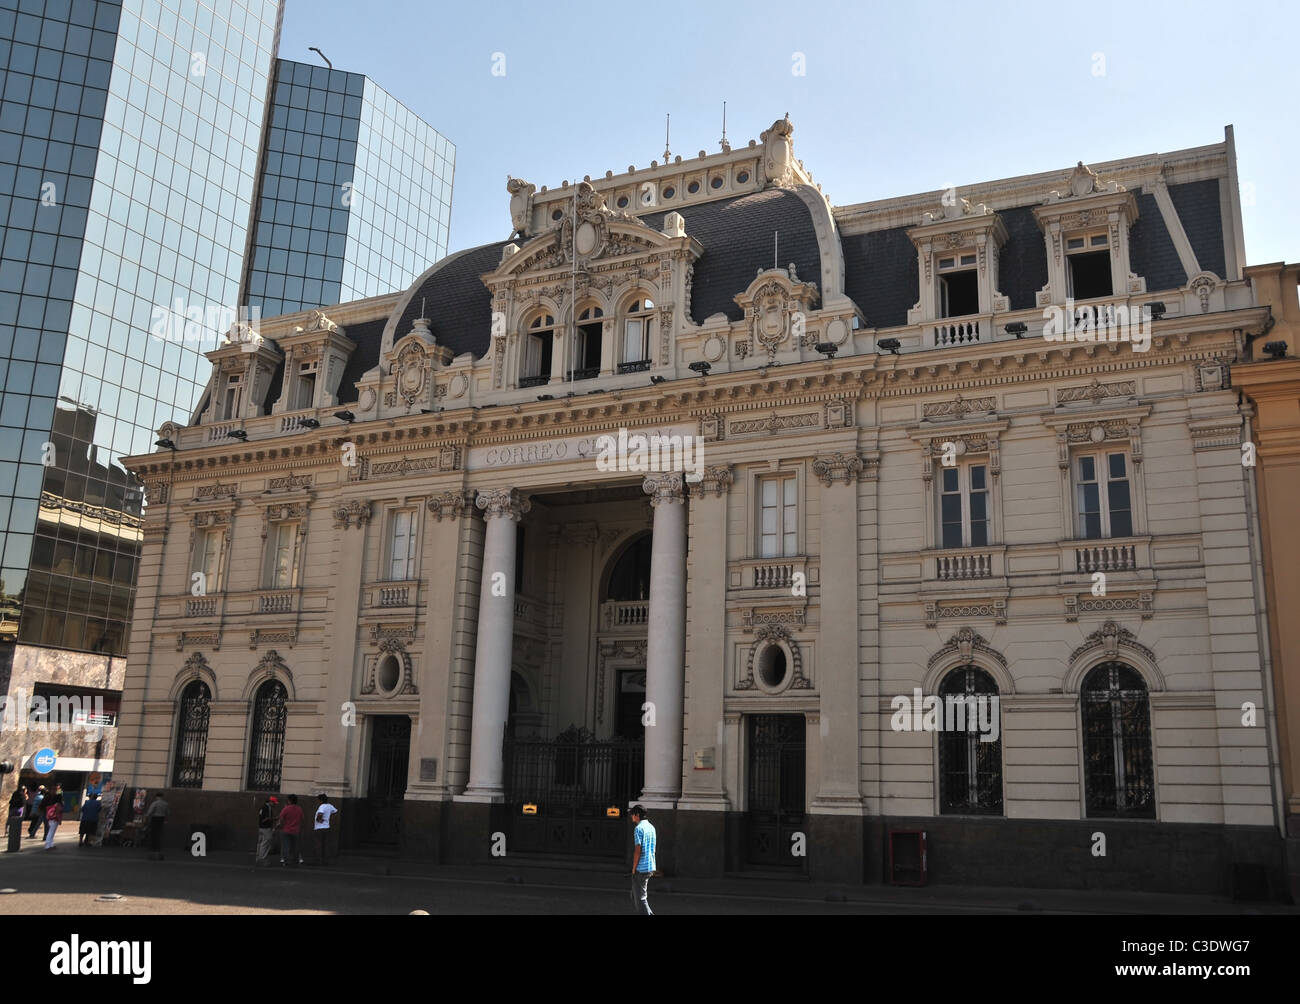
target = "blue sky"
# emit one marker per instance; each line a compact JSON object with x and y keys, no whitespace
{"x":895,"y":98}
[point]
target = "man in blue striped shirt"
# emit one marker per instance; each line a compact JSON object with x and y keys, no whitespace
{"x":643,"y":860}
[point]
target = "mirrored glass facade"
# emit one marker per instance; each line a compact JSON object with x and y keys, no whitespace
{"x":129,"y":139}
{"x":355,"y":194}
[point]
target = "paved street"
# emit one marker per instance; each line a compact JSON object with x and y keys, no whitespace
{"x":71,"y":880}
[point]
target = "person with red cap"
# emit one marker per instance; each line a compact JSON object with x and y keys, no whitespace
{"x":265,"y":829}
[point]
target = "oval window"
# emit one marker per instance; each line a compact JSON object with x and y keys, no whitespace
{"x":389,"y":674}
{"x":716,"y":183}
{"x":772,"y":666}
{"x":693,"y":187}
{"x":669,"y":192}
{"x":742,"y":177}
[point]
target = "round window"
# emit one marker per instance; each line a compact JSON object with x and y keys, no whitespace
{"x":693,"y":187}
{"x":557,"y":213}
{"x":716,"y":183}
{"x":772,"y":666}
{"x":389,"y":674}
{"x":622,"y":202}
{"x":669,"y":192}
{"x":742,"y":177}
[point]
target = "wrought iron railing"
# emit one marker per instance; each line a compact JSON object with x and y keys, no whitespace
{"x":534,"y":381}
{"x":559,"y":775}
{"x":636,"y":366}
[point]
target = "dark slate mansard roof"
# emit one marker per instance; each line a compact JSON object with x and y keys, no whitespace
{"x":737,"y":235}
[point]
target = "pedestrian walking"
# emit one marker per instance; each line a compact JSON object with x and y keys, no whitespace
{"x":18,"y":803}
{"x":643,"y":860}
{"x":36,"y":815}
{"x":290,"y":824}
{"x":157,"y":814}
{"x":53,"y":817}
{"x":265,"y":829}
{"x":321,"y":831}
{"x":90,"y":810}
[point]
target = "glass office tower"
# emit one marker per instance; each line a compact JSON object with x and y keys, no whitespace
{"x":354,"y":196}
{"x":129,"y":139}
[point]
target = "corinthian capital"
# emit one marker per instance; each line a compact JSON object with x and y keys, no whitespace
{"x":507,"y":502}
{"x":665,"y":488}
{"x":451,"y":505}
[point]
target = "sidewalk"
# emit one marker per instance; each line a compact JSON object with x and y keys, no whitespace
{"x":601,"y":878}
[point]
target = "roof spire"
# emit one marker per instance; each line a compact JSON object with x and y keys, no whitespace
{"x":726,"y":147}
{"x":668,"y":118}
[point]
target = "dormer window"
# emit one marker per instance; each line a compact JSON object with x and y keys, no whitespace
{"x":587,"y":351}
{"x":1088,"y":270}
{"x":636,"y":336}
{"x":306,"y":386}
{"x":539,"y":341}
{"x":959,"y":292}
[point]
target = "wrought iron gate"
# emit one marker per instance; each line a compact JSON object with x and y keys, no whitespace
{"x":559,"y":792}
{"x":776,"y":789}
{"x":390,"y":747}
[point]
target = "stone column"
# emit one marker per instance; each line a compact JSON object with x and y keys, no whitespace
{"x":502,"y":509}
{"x":665,"y":639}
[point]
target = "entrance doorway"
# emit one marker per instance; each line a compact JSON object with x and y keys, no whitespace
{"x":390,"y":749}
{"x":776,"y":789}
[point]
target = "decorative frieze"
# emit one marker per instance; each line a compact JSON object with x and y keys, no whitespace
{"x":207,"y":493}
{"x":290,"y":483}
{"x":1096,"y":391}
{"x":959,"y":407}
{"x":1141,"y":603}
{"x":191,"y":639}
{"x":774,"y":423}
{"x":284,"y":636}
{"x":994,"y":609}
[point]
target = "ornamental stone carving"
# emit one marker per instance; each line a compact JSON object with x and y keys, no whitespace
{"x":507,"y":503}
{"x":411,"y":371}
{"x":665,"y":489}
{"x":355,"y":513}
{"x":451,"y":505}
{"x":1111,"y":638}
{"x":778,"y":152}
{"x":965,"y":644}
{"x":838,"y":468}
{"x":717,"y":480}
{"x":521,"y":204}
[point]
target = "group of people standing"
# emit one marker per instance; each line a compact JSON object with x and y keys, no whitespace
{"x":44,"y":808}
{"x":289,"y":823}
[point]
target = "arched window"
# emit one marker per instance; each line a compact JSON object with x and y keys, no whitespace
{"x":637,"y":324}
{"x":1118,"y":769}
{"x":539,"y":339}
{"x":266,"y":753}
{"x":586,"y":353}
{"x":630,"y":579}
{"x":192,"y":736}
{"x":970,"y":768}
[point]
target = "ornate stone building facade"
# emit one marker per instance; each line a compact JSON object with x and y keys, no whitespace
{"x":459,"y":594}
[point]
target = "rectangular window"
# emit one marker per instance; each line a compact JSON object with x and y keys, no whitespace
{"x":207,"y":559}
{"x":964,"y":506}
{"x":401,"y":560}
{"x":1087,"y":269}
{"x":778,"y":518}
{"x":230,"y":403}
{"x":306,"y":387}
{"x":282,"y":571}
{"x":634,"y":340}
{"x":1103,"y":497}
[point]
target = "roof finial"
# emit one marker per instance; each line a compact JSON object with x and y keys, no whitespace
{"x":422,"y":313}
{"x":668,"y":118}
{"x":726,"y":147}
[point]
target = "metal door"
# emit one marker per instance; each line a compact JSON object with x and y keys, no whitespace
{"x":390,"y":748}
{"x":776,"y":789}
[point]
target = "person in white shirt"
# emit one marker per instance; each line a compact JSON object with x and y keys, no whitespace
{"x":321,"y":827}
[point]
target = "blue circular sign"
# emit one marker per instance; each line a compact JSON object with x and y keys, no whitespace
{"x":43,"y":761}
